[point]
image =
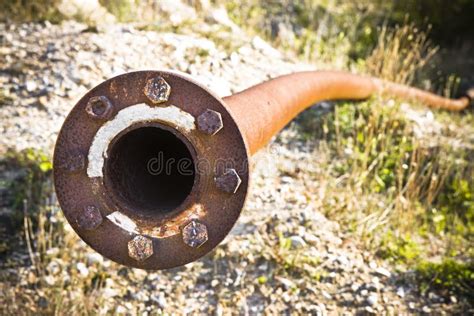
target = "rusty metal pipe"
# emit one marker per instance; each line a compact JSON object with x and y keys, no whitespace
{"x":152,"y":170}
{"x":263,"y":110}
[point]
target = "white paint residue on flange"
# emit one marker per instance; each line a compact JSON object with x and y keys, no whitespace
{"x":123,"y":221}
{"x":127,"y":117}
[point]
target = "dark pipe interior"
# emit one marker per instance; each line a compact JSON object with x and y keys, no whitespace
{"x":150,"y":170}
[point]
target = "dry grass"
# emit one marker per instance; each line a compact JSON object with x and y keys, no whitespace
{"x":400,"y":54}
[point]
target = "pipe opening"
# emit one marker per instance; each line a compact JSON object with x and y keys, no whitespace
{"x":150,"y":170}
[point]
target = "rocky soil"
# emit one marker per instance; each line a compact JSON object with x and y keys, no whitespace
{"x":283,"y":256}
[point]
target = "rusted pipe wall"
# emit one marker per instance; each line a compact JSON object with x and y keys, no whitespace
{"x":262,"y":110}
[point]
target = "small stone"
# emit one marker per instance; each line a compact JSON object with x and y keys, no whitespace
{"x":83,"y":271}
{"x":369,"y":310}
{"x":159,"y":299}
{"x":401,"y":292}
{"x":31,"y":86}
{"x":343,"y":260}
{"x":432,"y":296}
{"x":93,"y":258}
{"x":372,"y":299}
{"x":297,"y":242}
{"x":288,"y":284}
{"x":426,"y":309}
{"x":383,"y":272}
{"x":32,"y":279}
{"x":355,"y":287}
{"x":326,"y":295}
{"x":53,"y":268}
{"x":42,"y":302}
{"x":453,"y":299}
{"x":373,"y":265}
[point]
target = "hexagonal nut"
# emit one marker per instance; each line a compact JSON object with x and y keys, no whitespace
{"x":210,"y":122}
{"x":195,"y":234}
{"x":157,"y":90}
{"x":90,"y":218}
{"x":229,"y":181}
{"x":140,"y":248}
{"x":100,"y":107}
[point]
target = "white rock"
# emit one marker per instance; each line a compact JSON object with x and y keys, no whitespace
{"x":326,"y":295}
{"x":401,"y":292}
{"x":31,"y":86}
{"x":81,"y":267}
{"x":53,"y":268}
{"x":426,"y":309}
{"x":94,"y":257}
{"x":343,"y":260}
{"x":372,"y":299}
{"x":297,"y":242}
{"x":382,"y":271}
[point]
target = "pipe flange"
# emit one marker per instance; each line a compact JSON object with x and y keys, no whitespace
{"x":92,"y":195}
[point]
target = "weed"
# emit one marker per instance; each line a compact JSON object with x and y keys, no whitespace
{"x":33,"y":10}
{"x":25,"y":179}
{"x":447,"y":275}
{"x":399,"y":249}
{"x":400,"y":54}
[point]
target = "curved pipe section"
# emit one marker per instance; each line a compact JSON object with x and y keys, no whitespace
{"x":263,"y":110}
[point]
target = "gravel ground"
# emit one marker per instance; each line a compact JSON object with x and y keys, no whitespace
{"x":283,"y":256}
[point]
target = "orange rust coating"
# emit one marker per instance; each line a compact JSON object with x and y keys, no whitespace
{"x":263,"y":110}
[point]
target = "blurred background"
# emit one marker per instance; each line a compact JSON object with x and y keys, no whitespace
{"x":356,"y":208}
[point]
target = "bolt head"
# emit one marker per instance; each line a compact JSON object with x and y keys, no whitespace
{"x":157,"y":90}
{"x":140,"y":248}
{"x":90,"y":218}
{"x":195,"y":234}
{"x":229,"y":181}
{"x":210,"y":122}
{"x":100,"y":107}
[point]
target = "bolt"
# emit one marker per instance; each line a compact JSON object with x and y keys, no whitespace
{"x":195,"y":234}
{"x":73,"y":161}
{"x":229,"y":181}
{"x":99,"y":107}
{"x":157,"y":90}
{"x":140,"y":248}
{"x":90,"y":218}
{"x":210,"y":122}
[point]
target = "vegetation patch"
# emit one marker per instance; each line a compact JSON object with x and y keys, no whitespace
{"x":449,"y":275}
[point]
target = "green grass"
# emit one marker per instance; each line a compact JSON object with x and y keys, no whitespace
{"x":449,"y":275}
